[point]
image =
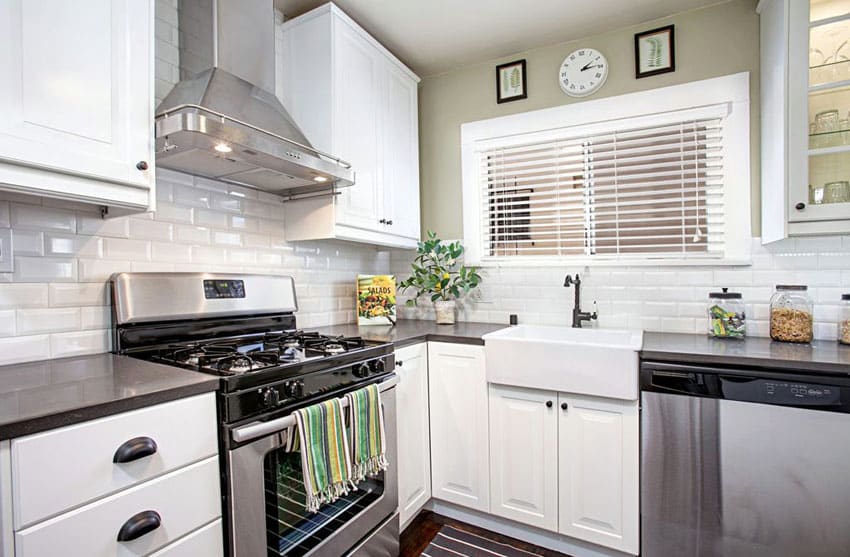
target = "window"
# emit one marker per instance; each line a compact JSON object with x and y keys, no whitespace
{"x":642,"y":187}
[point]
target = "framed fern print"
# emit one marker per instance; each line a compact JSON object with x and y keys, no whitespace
{"x":655,"y":52}
{"x":511,"y":84}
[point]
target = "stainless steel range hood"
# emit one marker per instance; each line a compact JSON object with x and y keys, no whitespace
{"x":222,"y":120}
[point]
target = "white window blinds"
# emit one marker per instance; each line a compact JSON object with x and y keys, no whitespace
{"x":619,"y":192}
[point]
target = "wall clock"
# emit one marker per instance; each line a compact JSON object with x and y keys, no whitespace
{"x":583,"y":72}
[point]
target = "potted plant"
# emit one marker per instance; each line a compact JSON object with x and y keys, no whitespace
{"x":437,"y":272}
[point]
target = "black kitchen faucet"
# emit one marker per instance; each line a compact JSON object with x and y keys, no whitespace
{"x":578,"y":315}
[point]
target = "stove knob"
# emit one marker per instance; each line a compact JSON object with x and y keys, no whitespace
{"x":377,"y":366}
{"x":361,"y":371}
{"x":270,"y":397}
{"x":294,"y":389}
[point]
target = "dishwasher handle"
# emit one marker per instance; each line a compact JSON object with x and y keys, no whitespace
{"x":678,"y":379}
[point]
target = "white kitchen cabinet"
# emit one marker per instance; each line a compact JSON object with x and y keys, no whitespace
{"x":352,"y":98}
{"x":524,"y":455}
{"x":414,"y":444}
{"x":598,"y":488}
{"x":798,"y":82}
{"x":76,"y":100}
{"x":459,"y":425}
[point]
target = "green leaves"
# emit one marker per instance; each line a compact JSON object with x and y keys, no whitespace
{"x":437,"y":271}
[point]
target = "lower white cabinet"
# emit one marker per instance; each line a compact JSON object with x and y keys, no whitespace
{"x":598,"y":451}
{"x":414,"y":450}
{"x":459,"y":425}
{"x":524,"y":455}
{"x":204,"y":541}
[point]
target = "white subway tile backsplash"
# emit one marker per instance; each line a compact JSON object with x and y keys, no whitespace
{"x":63,"y":345}
{"x":226,"y":203}
{"x":28,"y":242}
{"x":208,"y":255}
{"x":167,"y":252}
{"x":45,"y":269}
{"x":36,"y":217}
{"x":246,"y":224}
{"x":23,"y":295}
{"x":49,"y":320}
{"x":118,"y":227}
{"x":192,"y":234}
{"x":168,"y":212}
{"x":75,"y":295}
{"x":99,"y":270}
{"x":24,"y":349}
{"x":71,"y":245}
{"x":227,"y":238}
{"x":213,"y":219}
{"x":191,"y":197}
{"x":128,"y":250}
{"x":151,"y":230}
{"x":97,"y":317}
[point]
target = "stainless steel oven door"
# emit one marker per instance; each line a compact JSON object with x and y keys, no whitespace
{"x":266,"y":508}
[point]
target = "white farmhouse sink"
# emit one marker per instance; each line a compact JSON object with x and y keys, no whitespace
{"x":597,"y":362}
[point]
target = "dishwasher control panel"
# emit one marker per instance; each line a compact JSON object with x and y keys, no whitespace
{"x":791,"y":393}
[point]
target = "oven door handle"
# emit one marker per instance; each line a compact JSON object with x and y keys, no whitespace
{"x":253,"y":430}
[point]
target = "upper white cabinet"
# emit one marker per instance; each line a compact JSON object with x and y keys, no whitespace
{"x":459,"y":425}
{"x":805,"y":126}
{"x":598,"y":444}
{"x":414,"y":450}
{"x":76,"y":100}
{"x":352,"y":98}
{"x":524,"y":455}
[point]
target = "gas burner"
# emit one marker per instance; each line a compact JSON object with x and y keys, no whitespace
{"x":334,"y":348}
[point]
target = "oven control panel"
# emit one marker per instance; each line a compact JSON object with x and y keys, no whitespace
{"x":216,"y":289}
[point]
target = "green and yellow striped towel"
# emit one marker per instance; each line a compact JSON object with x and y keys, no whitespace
{"x":325,"y":457}
{"x":368,"y":440}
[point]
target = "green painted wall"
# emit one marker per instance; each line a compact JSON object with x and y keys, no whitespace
{"x":718,"y":40}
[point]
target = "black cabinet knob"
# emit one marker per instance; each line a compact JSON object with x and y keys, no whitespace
{"x":399,"y":363}
{"x":383,"y":221}
{"x":800,"y":206}
{"x":138,"y":525}
{"x":142,"y":165}
{"x":548,"y":404}
{"x":564,"y":406}
{"x":134,"y":449}
{"x":389,"y":222}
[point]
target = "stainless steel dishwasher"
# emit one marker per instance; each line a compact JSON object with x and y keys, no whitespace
{"x":744,"y":463}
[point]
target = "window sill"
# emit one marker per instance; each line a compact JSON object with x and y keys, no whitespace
{"x":586,"y":262}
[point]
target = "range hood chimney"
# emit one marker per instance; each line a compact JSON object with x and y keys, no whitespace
{"x":222,"y":120}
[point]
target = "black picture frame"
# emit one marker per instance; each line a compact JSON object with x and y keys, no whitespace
{"x":520,"y":64}
{"x":671,"y":44}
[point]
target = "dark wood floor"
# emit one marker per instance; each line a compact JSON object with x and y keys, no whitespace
{"x":424,"y":527}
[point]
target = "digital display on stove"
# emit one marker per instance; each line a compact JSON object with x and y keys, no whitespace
{"x":216,"y":289}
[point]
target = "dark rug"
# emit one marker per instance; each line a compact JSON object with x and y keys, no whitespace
{"x":451,"y":542}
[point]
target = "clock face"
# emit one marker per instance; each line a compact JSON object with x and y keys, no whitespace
{"x":583,"y":72}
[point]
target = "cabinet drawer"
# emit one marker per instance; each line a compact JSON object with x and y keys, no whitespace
{"x":185,"y":500}
{"x":67,"y":467}
{"x":206,"y":541}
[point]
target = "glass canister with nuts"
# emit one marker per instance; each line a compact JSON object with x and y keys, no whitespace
{"x":791,"y":314}
{"x":844,"y":320}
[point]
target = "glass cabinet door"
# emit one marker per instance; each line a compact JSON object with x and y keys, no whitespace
{"x":826,"y":196}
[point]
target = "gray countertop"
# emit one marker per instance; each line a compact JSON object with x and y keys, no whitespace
{"x":38,"y":396}
{"x":410,"y":331}
{"x":820,"y":356}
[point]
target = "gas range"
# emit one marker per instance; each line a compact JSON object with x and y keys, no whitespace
{"x":242,"y":329}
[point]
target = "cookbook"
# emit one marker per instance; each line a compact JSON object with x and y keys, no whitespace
{"x":376,"y":300}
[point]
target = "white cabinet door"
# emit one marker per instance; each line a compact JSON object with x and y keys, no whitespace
{"x":414,"y":448}
{"x":524,"y":455}
{"x":459,"y":425}
{"x":401,"y":154}
{"x":76,"y":91}
{"x":358,"y":66}
{"x":598,"y":471}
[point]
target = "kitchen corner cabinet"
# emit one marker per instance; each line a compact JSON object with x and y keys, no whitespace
{"x":460,"y":465}
{"x":805,"y":125}
{"x":414,"y":441}
{"x":76,"y":100}
{"x":524,"y":455}
{"x":598,"y":485}
{"x":353,"y":99}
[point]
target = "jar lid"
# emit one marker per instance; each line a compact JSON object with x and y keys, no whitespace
{"x":845,"y":296}
{"x":802,"y":287}
{"x":725,"y":295}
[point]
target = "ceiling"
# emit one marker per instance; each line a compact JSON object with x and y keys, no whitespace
{"x":434,"y":36}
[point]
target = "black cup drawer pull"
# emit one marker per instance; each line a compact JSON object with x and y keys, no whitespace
{"x":134,"y":449}
{"x":138,"y":525}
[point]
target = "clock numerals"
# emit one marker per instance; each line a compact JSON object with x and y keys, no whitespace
{"x":583,"y":72}
{"x":598,"y":75}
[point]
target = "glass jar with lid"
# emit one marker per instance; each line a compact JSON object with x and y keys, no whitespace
{"x":726,"y":316}
{"x":844,"y":320}
{"x":791,"y":311}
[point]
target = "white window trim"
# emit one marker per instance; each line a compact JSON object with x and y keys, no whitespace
{"x":733,"y":91}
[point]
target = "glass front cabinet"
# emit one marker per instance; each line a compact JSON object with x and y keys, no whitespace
{"x":805,"y":117}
